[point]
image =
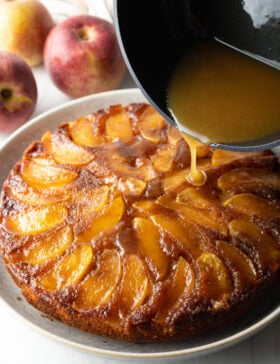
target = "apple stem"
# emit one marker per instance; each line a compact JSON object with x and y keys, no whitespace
{"x":82,"y":35}
{"x":6,"y":93}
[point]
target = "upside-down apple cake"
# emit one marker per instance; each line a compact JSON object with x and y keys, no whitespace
{"x":101,"y":229}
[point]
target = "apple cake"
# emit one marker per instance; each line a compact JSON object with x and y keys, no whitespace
{"x":101,"y":229}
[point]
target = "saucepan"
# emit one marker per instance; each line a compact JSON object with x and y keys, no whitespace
{"x":154,"y":34}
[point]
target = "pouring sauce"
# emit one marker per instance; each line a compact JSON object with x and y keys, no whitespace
{"x":195,"y":176}
{"x":217,"y":94}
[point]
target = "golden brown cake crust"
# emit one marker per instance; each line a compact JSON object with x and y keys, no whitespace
{"x":100,"y":228}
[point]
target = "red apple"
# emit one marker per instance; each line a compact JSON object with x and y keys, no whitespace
{"x":82,"y":56}
{"x":18,"y":91}
{"x":24,"y":26}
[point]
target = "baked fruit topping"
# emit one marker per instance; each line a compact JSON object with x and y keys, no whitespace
{"x":101,"y":229}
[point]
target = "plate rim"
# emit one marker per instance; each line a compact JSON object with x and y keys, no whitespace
{"x":174,"y":354}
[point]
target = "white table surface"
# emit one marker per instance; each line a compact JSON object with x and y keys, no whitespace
{"x":21,"y":345}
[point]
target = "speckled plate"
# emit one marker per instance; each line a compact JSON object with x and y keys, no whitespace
{"x":9,"y":154}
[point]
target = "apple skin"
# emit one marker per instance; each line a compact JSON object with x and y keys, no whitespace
{"x":82,"y":56}
{"x":18,"y":92}
{"x":24,"y":26}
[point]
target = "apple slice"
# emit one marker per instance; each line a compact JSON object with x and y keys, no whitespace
{"x":121,"y":167}
{"x":195,"y":197}
{"x":63,"y":150}
{"x":240,"y":262}
{"x":151,"y":124}
{"x":82,"y":133}
{"x":48,"y":248}
{"x":152,"y":135}
{"x":145,"y":207}
{"x":173,"y":134}
{"x":214,"y":279}
{"x":135,"y":284}
{"x":249,"y":177}
{"x":91,"y":200}
{"x":119,"y":126}
{"x":30,"y":196}
{"x":267,"y":248}
{"x":210,"y":221}
{"x":36,"y":220}
{"x":252,"y":205}
{"x":85,"y":206}
{"x":151,"y":119}
{"x":221,"y":157}
{"x":183,"y":235}
{"x":175,"y":180}
{"x":104,"y":222}
{"x":182,"y":284}
{"x":132,"y":186}
{"x":38,"y":173}
{"x":98,"y":287}
{"x":149,"y":245}
{"x":70,"y":270}
{"x":163,"y":158}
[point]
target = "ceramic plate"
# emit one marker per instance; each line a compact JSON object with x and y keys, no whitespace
{"x":9,"y":154}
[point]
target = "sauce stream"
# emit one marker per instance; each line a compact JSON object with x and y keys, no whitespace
{"x":217,"y":94}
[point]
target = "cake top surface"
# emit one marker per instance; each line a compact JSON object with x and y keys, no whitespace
{"x":100,"y":217}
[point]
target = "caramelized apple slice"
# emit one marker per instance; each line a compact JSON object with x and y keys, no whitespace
{"x":135,"y":284}
{"x":36,"y":220}
{"x":98,"y":287}
{"x":30,"y":196}
{"x":48,"y":248}
{"x":151,"y":119}
{"x":239,"y":261}
{"x":121,"y":167}
{"x":149,"y":245}
{"x":163,"y":158}
{"x":175,"y":229}
{"x":91,"y":200}
{"x":211,"y":221}
{"x":119,"y":126}
{"x":153,"y":135}
{"x":195,"y":197}
{"x":183,"y":282}
{"x":214,"y":281}
{"x":249,"y":177}
{"x":70,"y":270}
{"x":82,"y":133}
{"x":221,"y":157}
{"x":252,"y":205}
{"x":63,"y":150}
{"x":132,"y":186}
{"x":175,"y":180}
{"x":145,"y":207}
{"x":105,"y":221}
{"x":173,"y":134}
{"x":266,"y":247}
{"x":39,"y":175}
{"x":151,"y":124}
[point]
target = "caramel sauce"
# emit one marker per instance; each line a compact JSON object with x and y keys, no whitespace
{"x":195,"y":177}
{"x":217,"y":94}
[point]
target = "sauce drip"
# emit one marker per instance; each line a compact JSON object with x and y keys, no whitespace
{"x":196,"y":177}
{"x":217,"y":94}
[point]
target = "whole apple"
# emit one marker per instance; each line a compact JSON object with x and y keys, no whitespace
{"x":18,"y":92}
{"x":82,"y":56}
{"x":24,"y":26}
